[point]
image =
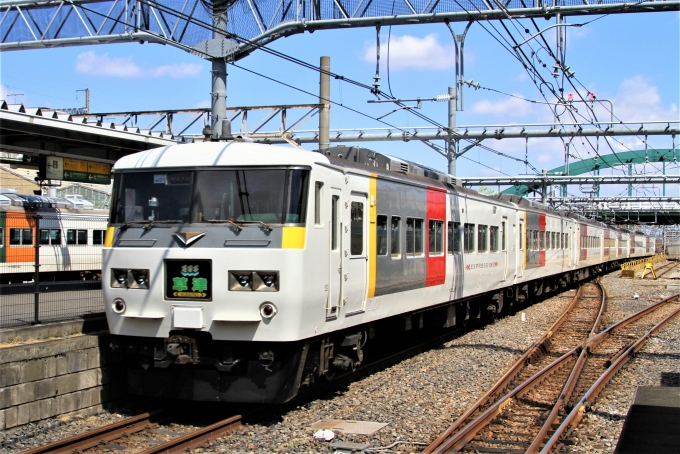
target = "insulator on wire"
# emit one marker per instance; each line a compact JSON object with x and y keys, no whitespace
{"x":442,"y":98}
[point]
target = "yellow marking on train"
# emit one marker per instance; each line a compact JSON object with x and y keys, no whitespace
{"x":372,"y":233}
{"x":294,"y":237}
{"x":108,"y":239}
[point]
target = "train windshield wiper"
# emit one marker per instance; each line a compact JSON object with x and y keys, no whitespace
{"x":148,"y":225}
{"x":223,"y":221}
{"x":263,"y":224}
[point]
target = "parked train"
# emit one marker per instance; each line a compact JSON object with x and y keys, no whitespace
{"x":70,"y":234}
{"x":242,"y":272}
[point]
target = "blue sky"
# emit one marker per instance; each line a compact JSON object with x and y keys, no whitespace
{"x":631,"y":59}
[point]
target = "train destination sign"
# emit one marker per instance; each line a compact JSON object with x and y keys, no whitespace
{"x":78,"y":170}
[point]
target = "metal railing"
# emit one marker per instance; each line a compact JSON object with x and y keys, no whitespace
{"x":50,"y":267}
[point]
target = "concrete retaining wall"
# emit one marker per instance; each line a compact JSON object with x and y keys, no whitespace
{"x":74,"y":375}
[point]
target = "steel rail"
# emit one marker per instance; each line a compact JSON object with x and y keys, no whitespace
{"x":538,"y":349}
{"x":666,"y":269}
{"x":198,"y":437}
{"x":585,"y":402}
{"x":86,"y":440}
{"x":570,"y":384}
{"x":469,"y":432}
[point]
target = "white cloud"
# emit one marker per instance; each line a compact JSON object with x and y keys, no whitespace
{"x":203,"y":104}
{"x":102,"y":65}
{"x":503,"y":107}
{"x":413,"y":52}
{"x":637,"y":100}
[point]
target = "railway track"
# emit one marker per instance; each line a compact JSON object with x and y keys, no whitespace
{"x":666,"y":268}
{"x":531,"y":417}
{"x":144,"y":429}
{"x":580,"y":320}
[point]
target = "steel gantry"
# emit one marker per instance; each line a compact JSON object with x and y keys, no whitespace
{"x":187,"y":24}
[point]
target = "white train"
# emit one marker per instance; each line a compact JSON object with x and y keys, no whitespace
{"x":70,"y":235}
{"x":243,"y":272}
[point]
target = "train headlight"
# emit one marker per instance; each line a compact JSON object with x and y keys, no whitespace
{"x":267,"y":310}
{"x":259,"y":281}
{"x":140,"y":278}
{"x":124,"y":278}
{"x":118,"y":306}
{"x":119,"y":278}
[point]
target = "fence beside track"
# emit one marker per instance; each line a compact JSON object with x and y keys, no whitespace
{"x":628,"y":269}
{"x":50,"y":265}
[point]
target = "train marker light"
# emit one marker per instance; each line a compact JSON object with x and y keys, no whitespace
{"x":267,"y":310}
{"x":118,"y":306}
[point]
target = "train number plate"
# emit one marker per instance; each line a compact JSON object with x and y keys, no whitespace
{"x":188,"y":280}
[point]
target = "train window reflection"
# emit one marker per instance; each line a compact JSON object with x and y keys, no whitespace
{"x":395,"y":236}
{"x":357,"y":228}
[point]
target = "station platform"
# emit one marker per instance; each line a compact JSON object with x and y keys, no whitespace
{"x":653,"y":422}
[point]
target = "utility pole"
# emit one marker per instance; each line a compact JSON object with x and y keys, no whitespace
{"x":324,"y":100}
{"x":219,"y":76}
{"x":452,"y":143}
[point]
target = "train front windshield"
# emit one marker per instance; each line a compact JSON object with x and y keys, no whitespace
{"x":272,"y":196}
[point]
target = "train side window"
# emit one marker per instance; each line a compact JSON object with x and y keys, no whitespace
{"x":541,"y":240}
{"x":552,"y":240}
{"x":521,"y":236}
{"x":469,"y":237}
{"x":457,"y":234}
{"x":503,"y":237}
{"x":395,"y":236}
{"x":76,"y":236}
{"x":357,"y":229}
{"x":482,"y":238}
{"x":50,"y":236}
{"x":334,"y":222}
{"x":449,"y":238}
{"x":20,"y":237}
{"x":493,"y":238}
{"x":436,"y":237}
{"x":381,"y":234}
{"x":317,"y":203}
{"x":98,"y":236}
{"x":2,"y":236}
{"x":534,"y":236}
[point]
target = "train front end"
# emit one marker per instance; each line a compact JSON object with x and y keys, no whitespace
{"x":201,"y":271}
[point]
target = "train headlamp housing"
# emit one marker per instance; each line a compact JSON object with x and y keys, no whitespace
{"x":257,"y":281}
{"x":126,"y":278}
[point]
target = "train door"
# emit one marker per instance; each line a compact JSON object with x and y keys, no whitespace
{"x":355,"y":253}
{"x":504,"y":246}
{"x":519,"y":256}
{"x":334,"y":261}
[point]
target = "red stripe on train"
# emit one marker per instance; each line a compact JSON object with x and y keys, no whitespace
{"x":436,"y":210}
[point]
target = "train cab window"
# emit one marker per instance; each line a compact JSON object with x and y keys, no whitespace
{"x":357,"y":229}
{"x":76,"y":236}
{"x":20,"y":237}
{"x":50,"y":236}
{"x":469,"y":237}
{"x":334,"y":222}
{"x":436,"y":235}
{"x":317,"y":203}
{"x":493,"y":238}
{"x":482,"y":238}
{"x":98,"y":236}
{"x":395,"y":236}
{"x":381,"y":234}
